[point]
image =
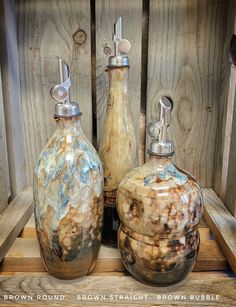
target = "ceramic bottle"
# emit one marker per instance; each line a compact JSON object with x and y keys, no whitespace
{"x":68,"y":191}
{"x":159,"y":206}
{"x":117,"y":147}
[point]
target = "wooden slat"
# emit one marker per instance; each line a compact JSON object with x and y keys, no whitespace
{"x":11,"y":95}
{"x":220,"y":288}
{"x":5,"y":191}
{"x":222,"y":224}
{"x":14,"y":218}
{"x":47,"y":29}
{"x":223,"y":123}
{"x":24,"y":256}
{"x":184,"y":61}
{"x":107,"y":13}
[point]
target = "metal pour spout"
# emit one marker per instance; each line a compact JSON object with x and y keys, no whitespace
{"x":121,"y":46}
{"x":160,"y":144}
{"x":61,"y":93}
{"x":118,"y":34}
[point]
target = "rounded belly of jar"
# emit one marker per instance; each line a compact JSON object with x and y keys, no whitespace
{"x":160,"y":262}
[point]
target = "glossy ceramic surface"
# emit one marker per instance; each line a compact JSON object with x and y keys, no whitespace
{"x":159,"y":207}
{"x":117,"y":148}
{"x":68,"y":196}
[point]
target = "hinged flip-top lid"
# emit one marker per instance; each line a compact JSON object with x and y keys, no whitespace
{"x":160,"y":145}
{"x":61,"y":93}
{"x":122,"y":46}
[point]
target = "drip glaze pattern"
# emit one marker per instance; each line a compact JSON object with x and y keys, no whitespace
{"x":68,"y":196}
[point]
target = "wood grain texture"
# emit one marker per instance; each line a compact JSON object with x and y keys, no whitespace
{"x":228,"y":189}
{"x":222,"y":225}
{"x":11,"y":95}
{"x":14,"y":218}
{"x":5,"y":191}
{"x":221,"y":156}
{"x":107,"y":13}
{"x":184,"y":62}
{"x":47,"y":29}
{"x":219,"y":286}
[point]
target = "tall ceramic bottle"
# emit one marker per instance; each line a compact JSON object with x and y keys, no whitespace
{"x":160,"y":207}
{"x":117,"y":147}
{"x":68,"y":192}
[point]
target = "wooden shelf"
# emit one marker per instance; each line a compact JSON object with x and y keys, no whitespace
{"x":23,"y":268}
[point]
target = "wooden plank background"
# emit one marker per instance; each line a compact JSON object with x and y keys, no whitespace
{"x":47,"y":29}
{"x":11,"y":95}
{"x":4,"y":170}
{"x":184,"y":44}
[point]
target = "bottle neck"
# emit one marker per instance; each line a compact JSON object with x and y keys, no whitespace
{"x":70,"y":123}
{"x":118,"y":90}
{"x":160,"y":161}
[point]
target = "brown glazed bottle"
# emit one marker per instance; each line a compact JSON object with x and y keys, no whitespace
{"x":68,"y":192}
{"x":159,"y":206}
{"x":117,"y":147}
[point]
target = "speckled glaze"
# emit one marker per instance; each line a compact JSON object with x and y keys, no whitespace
{"x":159,"y":207}
{"x":68,"y":196}
{"x":117,"y":147}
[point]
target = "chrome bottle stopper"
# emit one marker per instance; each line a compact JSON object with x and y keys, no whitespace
{"x":122,"y":46}
{"x":160,"y":145}
{"x":61,"y":93}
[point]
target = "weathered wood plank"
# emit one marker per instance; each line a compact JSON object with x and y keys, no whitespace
{"x":111,"y":291}
{"x":228,"y":190}
{"x":222,"y":224}
{"x":186,"y":39}
{"x":47,"y":29}
{"x":226,"y":100}
{"x":11,"y":95}
{"x":107,"y":13}
{"x":5,"y":190}
{"x":14,"y":218}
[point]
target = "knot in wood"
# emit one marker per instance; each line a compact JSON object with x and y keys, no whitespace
{"x":80,"y":37}
{"x":107,"y":50}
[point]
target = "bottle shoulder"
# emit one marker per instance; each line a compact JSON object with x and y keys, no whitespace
{"x":67,"y":150}
{"x":150,"y":178}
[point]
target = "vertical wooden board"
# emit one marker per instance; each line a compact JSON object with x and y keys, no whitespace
{"x":184,"y":61}
{"x":230,"y":186}
{"x":107,"y":13}
{"x":11,"y":95}
{"x":47,"y":29}
{"x":4,"y":170}
{"x":224,"y":119}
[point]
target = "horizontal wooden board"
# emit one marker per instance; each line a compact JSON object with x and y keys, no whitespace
{"x":222,"y":224}
{"x":14,"y":218}
{"x":119,"y":291}
{"x":25,"y":256}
